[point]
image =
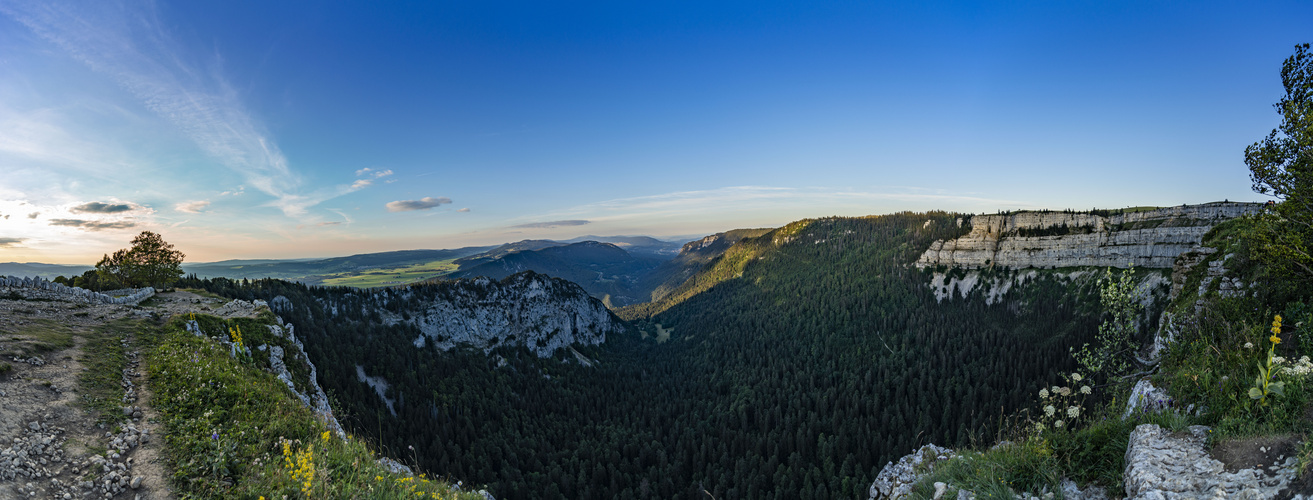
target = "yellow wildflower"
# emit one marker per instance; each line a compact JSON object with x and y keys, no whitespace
{"x":324,"y":436}
{"x":1275,"y":339}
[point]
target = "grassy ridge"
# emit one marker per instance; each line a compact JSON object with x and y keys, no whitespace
{"x":235,"y":431}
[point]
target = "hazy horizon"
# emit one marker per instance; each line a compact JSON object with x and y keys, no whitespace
{"x":302,"y":130}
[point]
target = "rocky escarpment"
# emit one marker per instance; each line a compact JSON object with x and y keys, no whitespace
{"x":1150,"y":238}
{"x":529,"y":309}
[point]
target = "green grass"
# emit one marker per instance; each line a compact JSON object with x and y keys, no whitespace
{"x":227,"y":422}
{"x":998,"y":473}
{"x":203,"y":293}
{"x":104,"y":359}
{"x":391,"y":275}
{"x":38,"y":337}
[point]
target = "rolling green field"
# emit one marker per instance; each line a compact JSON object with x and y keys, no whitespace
{"x":388,"y":276}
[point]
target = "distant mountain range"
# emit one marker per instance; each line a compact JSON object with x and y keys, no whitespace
{"x":47,"y":271}
{"x":619,"y":270}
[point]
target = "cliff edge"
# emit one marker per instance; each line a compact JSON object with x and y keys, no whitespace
{"x":1148,"y":238}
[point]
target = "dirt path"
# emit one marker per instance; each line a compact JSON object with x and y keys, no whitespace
{"x":50,"y":443}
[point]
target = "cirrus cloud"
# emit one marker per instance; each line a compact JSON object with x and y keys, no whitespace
{"x":11,"y":242}
{"x":424,"y":203}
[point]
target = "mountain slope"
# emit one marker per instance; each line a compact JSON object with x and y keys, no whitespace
{"x":605,"y":270}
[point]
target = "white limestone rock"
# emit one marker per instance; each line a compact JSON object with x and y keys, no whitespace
{"x":896,"y":478}
{"x":1165,"y":465}
{"x":1145,"y":398}
{"x":1152,"y":238}
{"x":530,"y":309}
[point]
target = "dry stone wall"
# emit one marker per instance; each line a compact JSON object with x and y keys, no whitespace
{"x":1152,"y":238}
{"x":39,"y":288}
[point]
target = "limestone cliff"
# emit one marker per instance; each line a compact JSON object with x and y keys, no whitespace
{"x":1150,"y":238}
{"x":530,"y":309}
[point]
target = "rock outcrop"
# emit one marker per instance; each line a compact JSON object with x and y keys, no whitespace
{"x":897,"y":478}
{"x":530,"y":309}
{"x":1151,"y":238}
{"x":1161,"y":464}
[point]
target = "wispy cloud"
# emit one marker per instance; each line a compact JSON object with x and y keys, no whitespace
{"x":548,"y":225}
{"x":34,"y":215}
{"x":192,"y":207}
{"x":463,"y":210}
{"x":92,"y":225}
{"x":377,"y":174}
{"x":424,"y":203}
{"x":127,"y":44}
{"x":11,"y":242}
{"x":96,"y":207}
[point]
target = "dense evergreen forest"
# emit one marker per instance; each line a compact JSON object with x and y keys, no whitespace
{"x":796,"y":371}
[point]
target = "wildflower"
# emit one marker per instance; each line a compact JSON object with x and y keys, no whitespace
{"x":1044,"y":393}
{"x":1048,"y":410}
{"x":1249,"y":345}
{"x":1075,"y":377}
{"x":1274,"y":338}
{"x":1065,"y":391}
{"x":1073,"y":411}
{"x":1085,"y":389}
{"x":324,"y":436}
{"x":1058,"y":424}
{"x":214,"y":436}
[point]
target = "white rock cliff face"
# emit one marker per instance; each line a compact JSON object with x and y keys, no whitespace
{"x":534,"y":310}
{"x":1152,"y":238}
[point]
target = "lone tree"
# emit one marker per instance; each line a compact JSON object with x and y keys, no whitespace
{"x":1282,"y":165}
{"x":150,"y":262}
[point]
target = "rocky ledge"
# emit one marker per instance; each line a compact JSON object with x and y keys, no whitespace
{"x":1150,"y":238}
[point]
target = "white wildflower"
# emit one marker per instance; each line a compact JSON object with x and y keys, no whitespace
{"x":1073,"y":411}
{"x":1048,"y":410}
{"x":1044,"y":393}
{"x":1058,"y":424}
{"x":1075,"y":377}
{"x":1249,"y":345}
{"x":1277,"y":360}
{"x":1065,"y":391}
{"x":1085,"y":389}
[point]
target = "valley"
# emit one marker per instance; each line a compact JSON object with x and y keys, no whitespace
{"x":765,"y":363}
{"x":784,"y":366}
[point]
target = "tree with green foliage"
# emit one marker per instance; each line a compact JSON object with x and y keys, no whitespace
{"x":1113,"y":352}
{"x":1282,"y":165}
{"x":150,"y":262}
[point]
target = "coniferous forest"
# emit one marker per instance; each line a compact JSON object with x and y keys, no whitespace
{"x":796,"y":371}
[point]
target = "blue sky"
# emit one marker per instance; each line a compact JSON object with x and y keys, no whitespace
{"x":302,"y":129}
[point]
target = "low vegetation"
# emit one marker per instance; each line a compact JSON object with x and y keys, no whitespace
{"x":104,"y":360}
{"x":236,"y":431}
{"x":36,"y":337}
